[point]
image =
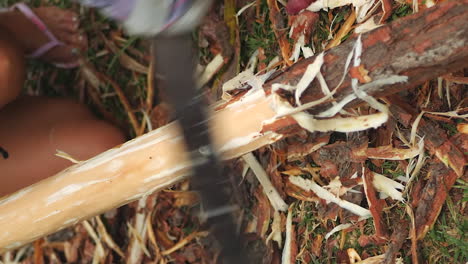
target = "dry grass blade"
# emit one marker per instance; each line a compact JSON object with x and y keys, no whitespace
{"x":414,"y":240}
{"x":152,"y":237}
{"x":139,"y":240}
{"x":125,"y":60}
{"x":91,"y":76}
{"x":107,"y":238}
{"x":278,"y":27}
{"x":66,"y":156}
{"x":344,"y":30}
{"x":123,"y":99}
{"x":185,"y":241}
{"x":99,"y":252}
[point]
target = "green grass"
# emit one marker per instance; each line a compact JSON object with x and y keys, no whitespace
{"x":461,"y":184}
{"x":447,"y":242}
{"x":401,"y":11}
{"x":261,"y":35}
{"x":390,"y":167}
{"x":451,"y":129}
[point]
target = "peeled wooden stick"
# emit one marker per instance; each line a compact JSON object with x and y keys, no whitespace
{"x":124,"y":174}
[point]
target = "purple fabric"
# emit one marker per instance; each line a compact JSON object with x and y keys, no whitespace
{"x":116,"y":9}
{"x":179,"y":7}
{"x":121,"y":9}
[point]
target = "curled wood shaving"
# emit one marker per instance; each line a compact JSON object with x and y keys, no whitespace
{"x":414,"y":128}
{"x":345,"y":125}
{"x":211,"y":69}
{"x":275,"y":199}
{"x":339,"y":124}
{"x":373,"y":260}
{"x":359,"y":91}
{"x":286,"y":257}
{"x":363,"y":7}
{"x":453,"y":114}
{"x":276,"y":230}
{"x":337,"y":228}
{"x":309,"y":75}
{"x":388,"y":187}
{"x":298,"y":46}
{"x":367,"y":26}
{"x":244,"y":80}
{"x":419,"y":163}
{"x":328,"y":196}
{"x":138,"y":243}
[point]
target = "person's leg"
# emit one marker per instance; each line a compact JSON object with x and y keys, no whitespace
{"x":12,"y":68}
{"x":19,"y":36}
{"x":32,"y":129}
{"x":36,"y":127}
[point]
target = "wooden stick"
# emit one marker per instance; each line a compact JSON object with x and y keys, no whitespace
{"x":156,"y":160}
{"x":124,"y":174}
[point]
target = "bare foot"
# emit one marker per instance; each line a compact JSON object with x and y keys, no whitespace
{"x":63,"y":24}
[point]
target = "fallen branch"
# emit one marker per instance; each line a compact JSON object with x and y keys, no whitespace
{"x":422,"y":46}
{"x":415,"y":46}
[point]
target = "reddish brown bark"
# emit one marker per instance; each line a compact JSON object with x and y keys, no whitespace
{"x":376,"y":205}
{"x":435,"y":138}
{"x":422,"y":46}
{"x":433,"y":195}
{"x":396,"y":241}
{"x":299,"y":150}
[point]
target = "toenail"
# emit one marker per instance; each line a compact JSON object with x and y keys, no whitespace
{"x":75,"y":51}
{"x":75,"y":19}
{"x":81,"y":37}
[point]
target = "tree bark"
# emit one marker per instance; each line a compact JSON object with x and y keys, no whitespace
{"x":422,"y":46}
